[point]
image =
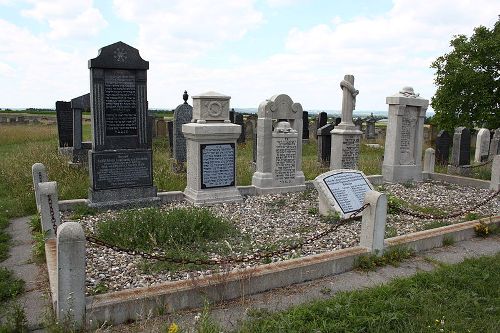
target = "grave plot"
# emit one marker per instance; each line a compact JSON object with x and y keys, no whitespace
{"x":276,"y":222}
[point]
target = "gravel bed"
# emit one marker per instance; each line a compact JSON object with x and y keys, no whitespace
{"x":281,"y":219}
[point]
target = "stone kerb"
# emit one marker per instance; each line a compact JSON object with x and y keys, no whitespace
{"x":71,"y":302}
{"x":404,"y":140}
{"x":495,"y":174}
{"x":39,"y":175}
{"x":482,"y":145}
{"x":373,"y":222}
{"x":49,"y":208}
{"x":282,"y":108}
{"x":342,"y":191}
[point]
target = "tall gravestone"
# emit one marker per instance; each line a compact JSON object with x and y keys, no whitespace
{"x":64,"y":124}
{"x":321,"y":119}
{"x":170,"y":131}
{"x":370,"y":128}
{"x":305,"y":125}
{"x":345,"y":136}
{"x":120,"y":162}
{"x":405,"y":135}
{"x":324,"y":144}
{"x":460,"y":154}
{"x":279,"y":149}
{"x":161,"y":128}
{"x":494,"y":145}
{"x":238,"y":120}
{"x":482,"y":145}
{"x":80,"y":149}
{"x":231,"y":115}
{"x":182,"y":115}
{"x":443,"y":144}
{"x":211,"y":151}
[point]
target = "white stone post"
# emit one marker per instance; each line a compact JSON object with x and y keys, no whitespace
{"x":49,"y":207}
{"x":39,"y":174}
{"x":429,"y":160}
{"x":482,"y":145}
{"x":71,"y":274}
{"x":373,"y":222}
{"x":495,"y":174}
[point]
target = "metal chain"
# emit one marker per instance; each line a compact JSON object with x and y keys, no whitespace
{"x":443,"y":217}
{"x":233,"y":259}
{"x":52,"y":214}
{"x":472,"y":166}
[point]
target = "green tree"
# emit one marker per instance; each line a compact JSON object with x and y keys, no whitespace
{"x":467,"y":79}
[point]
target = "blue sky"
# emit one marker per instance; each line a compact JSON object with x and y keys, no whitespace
{"x":247,"y":49}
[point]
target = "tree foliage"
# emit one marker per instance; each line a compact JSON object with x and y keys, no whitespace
{"x":467,"y":79}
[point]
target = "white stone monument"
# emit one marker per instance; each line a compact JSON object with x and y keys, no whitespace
{"x":279,"y":150}
{"x":345,"y":136}
{"x":211,"y":151}
{"x":405,"y":134}
{"x":482,"y":145}
{"x":341,"y":191}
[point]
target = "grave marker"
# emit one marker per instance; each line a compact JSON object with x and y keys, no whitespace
{"x":305,"y":125}
{"x":482,"y":145}
{"x":443,"y":144}
{"x":64,"y":124}
{"x":238,"y":120}
{"x":345,"y":136}
{"x":405,"y":134}
{"x":321,"y":120}
{"x":324,"y":144}
{"x":80,"y":149}
{"x":279,"y":150}
{"x":460,"y":154}
{"x":342,"y":191}
{"x":495,"y":144}
{"x":120,"y":162}
{"x":370,"y":128}
{"x":183,"y":114}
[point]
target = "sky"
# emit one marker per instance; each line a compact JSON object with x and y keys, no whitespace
{"x":249,"y":50}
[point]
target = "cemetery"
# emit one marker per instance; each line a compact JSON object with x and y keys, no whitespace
{"x":143,"y":214}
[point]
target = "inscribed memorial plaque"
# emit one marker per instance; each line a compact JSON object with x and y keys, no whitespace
{"x":120,"y":102}
{"x":284,"y":160}
{"x":217,"y":165}
{"x":64,"y":123}
{"x":348,"y":189}
{"x":350,"y":151}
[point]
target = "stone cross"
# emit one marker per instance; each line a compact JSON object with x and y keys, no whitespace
{"x":348,"y":99}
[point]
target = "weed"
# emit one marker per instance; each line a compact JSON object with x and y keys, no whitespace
{"x":390,"y":231}
{"x":326,"y":290}
{"x":38,"y":247}
{"x":472,"y":216}
{"x":205,"y":323}
{"x":10,"y":286}
{"x":448,"y":240}
{"x":4,"y":237}
{"x":35,"y":223}
{"x":100,"y":288}
{"x":393,"y":203}
{"x":331,"y":218}
{"x":393,"y":256}
{"x":82,"y":210}
{"x":435,"y":224}
{"x":409,"y":184}
{"x":313,"y":211}
{"x":14,"y":320}
{"x":484,"y":230}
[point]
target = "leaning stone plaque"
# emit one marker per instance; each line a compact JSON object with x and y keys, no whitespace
{"x":217,"y":165}
{"x":120,"y":162}
{"x":342,"y":191}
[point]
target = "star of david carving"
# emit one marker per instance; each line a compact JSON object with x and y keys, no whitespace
{"x":120,"y":54}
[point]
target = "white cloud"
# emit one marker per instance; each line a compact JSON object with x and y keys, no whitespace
{"x":67,"y":19}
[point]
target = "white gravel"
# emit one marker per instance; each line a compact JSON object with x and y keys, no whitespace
{"x":282,"y":219}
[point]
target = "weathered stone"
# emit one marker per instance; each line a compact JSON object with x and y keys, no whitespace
{"x":429,"y":160}
{"x":238,"y":120}
{"x":482,"y":145}
{"x":183,"y":114}
{"x":324,"y":144}
{"x":460,"y":154}
{"x":495,"y":144}
{"x":305,"y":125}
{"x":373,"y":222}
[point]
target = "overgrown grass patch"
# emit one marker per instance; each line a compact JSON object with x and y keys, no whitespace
{"x":10,"y":286}
{"x":455,"y":298}
{"x":392,"y":256}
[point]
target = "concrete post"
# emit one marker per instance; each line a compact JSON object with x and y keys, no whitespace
{"x":373,"y":222}
{"x":49,"y":207}
{"x":495,"y":174}
{"x":429,"y":160}
{"x":71,"y":274}
{"x":39,"y":174}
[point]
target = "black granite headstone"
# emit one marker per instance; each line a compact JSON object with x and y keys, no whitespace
{"x":64,"y":123}
{"x":238,"y":120}
{"x":120,"y":162}
{"x":324,"y":143}
{"x":305,"y":125}
{"x":443,"y":144}
{"x":461,"y":147}
{"x":321,"y":120}
{"x":231,"y":115}
{"x":338,"y":120}
{"x":79,"y":105}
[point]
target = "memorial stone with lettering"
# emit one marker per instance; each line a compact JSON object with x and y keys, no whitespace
{"x":182,"y":115}
{"x":211,"y":151}
{"x":345,"y":137}
{"x":405,"y":135}
{"x":279,"y":150}
{"x":305,"y":125}
{"x":64,"y":124}
{"x":494,"y":145}
{"x":120,"y":162}
{"x":341,"y":191}
{"x":482,"y":145}
{"x":443,"y":144}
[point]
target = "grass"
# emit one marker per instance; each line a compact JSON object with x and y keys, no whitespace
{"x":393,"y":256}
{"x":455,"y":298}
{"x":10,"y":286}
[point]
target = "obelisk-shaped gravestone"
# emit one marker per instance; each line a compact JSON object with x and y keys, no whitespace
{"x":120,"y":162}
{"x":345,"y":136}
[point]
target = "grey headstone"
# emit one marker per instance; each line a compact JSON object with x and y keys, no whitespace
{"x":495,"y":144}
{"x":64,"y":123}
{"x":321,"y":120}
{"x":324,"y":143}
{"x":359,"y":124}
{"x":461,"y":147}
{"x":182,"y":115}
{"x":370,"y":128}
{"x":443,"y":144}
{"x":238,"y":120}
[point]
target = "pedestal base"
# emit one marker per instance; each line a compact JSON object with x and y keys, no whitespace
{"x":345,"y":148}
{"x":212,"y":196}
{"x":402,"y":173}
{"x":264,"y":183}
{"x":123,"y":197}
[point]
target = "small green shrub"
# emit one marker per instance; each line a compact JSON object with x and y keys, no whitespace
{"x":390,"y":232}
{"x":472,"y":216}
{"x":100,"y":288}
{"x":331,"y":218}
{"x":35,"y":223}
{"x":392,"y":256}
{"x":393,"y":203}
{"x":484,"y":230}
{"x":38,"y":247}
{"x":448,"y":240}
{"x":82,"y":210}
{"x":312,"y":211}
{"x":10,"y":286}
